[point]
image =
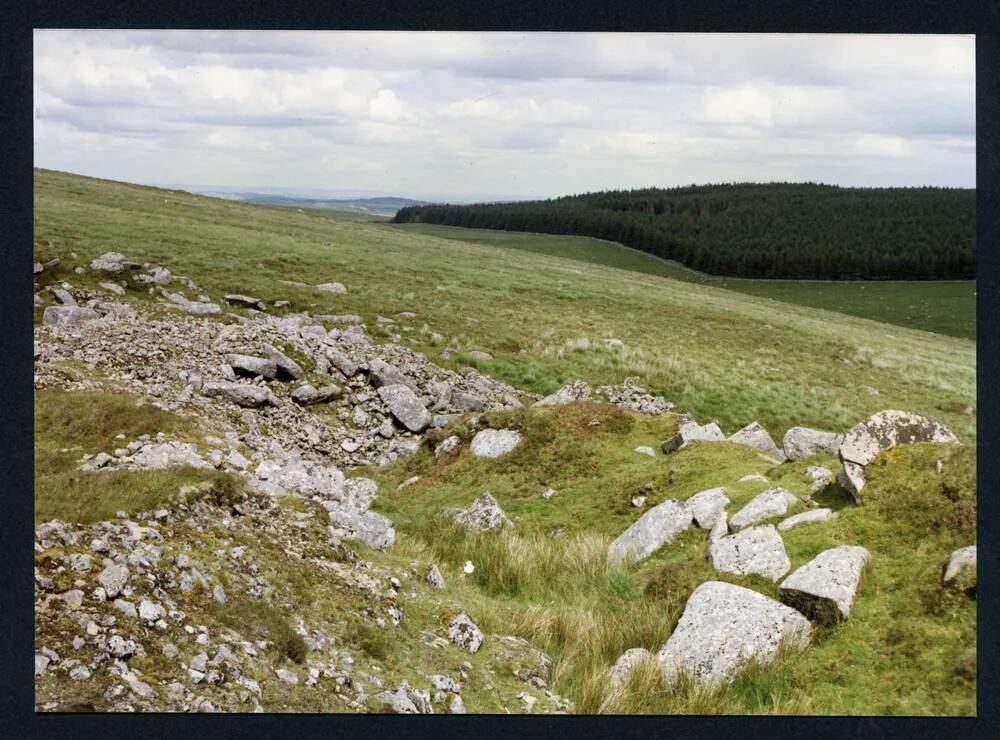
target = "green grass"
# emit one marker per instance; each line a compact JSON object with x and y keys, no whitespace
{"x":715,"y":353}
{"x":908,"y":647}
{"x":945,"y":306}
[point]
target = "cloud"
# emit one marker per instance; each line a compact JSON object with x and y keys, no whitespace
{"x":503,"y":114}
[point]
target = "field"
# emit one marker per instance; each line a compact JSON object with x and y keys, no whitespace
{"x":543,"y":313}
{"x":945,"y":306}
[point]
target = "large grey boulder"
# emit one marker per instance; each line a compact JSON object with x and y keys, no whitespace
{"x":880,"y":432}
{"x":753,"y":551}
{"x":63,"y":316}
{"x":705,"y":506}
{"x":248,"y":396}
{"x":657,"y":527}
{"x":335,"y":288}
{"x":373,"y":529}
{"x":755,"y":436}
{"x":824,"y":588}
{"x":577,"y":390}
{"x":63,"y":296}
{"x":768,"y":504}
{"x":726,"y":627}
{"x":483,"y":514}
{"x":196,"y":308}
{"x":382,"y":373}
{"x":813,"y":515}
{"x":800,"y":442}
{"x":691,"y":431}
{"x":960,"y":570}
{"x":252,"y":367}
{"x":309,"y":395}
{"x":404,"y":405}
{"x":287,"y":368}
{"x":113,"y":579}
{"x":244,"y":300}
{"x":118,"y":311}
{"x":494,"y":442}
{"x":341,"y":361}
{"x":625,"y":663}
{"x":819,"y":477}
{"x":463,"y":632}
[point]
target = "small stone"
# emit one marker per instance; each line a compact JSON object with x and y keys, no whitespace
{"x":463,"y":632}
{"x":646,"y":451}
{"x":435,"y":578}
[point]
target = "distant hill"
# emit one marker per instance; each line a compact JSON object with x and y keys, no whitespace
{"x":382,"y":206}
{"x":774,"y":230}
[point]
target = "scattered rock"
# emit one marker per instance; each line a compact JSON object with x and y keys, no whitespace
{"x":771,"y":503}
{"x":960,"y":570}
{"x":248,"y":396}
{"x":880,"y":432}
{"x":113,"y":578}
{"x":373,"y":529}
{"x":624,"y":665}
{"x":435,"y":578}
{"x":252,"y":367}
{"x":479,"y":356}
{"x":308,"y":395}
{"x":483,"y":514}
{"x":109,"y":262}
{"x":646,"y":451}
{"x":723,"y":628}
{"x":823,"y":589}
{"x":196,"y":308}
{"x":813,"y":515}
{"x":404,"y":405}
{"x":447,"y":445}
{"x":690,"y":431}
{"x":657,"y":527}
{"x":706,"y":506}
{"x":755,"y":436}
{"x":752,"y":551}
{"x":577,"y":390}
{"x":494,"y":442}
{"x":114,"y":288}
{"x":289,"y":677}
{"x":335,"y":288}
{"x":819,"y":477}
{"x":800,"y":442}
{"x":287,"y":368}
{"x":751,"y":477}
{"x":63,"y":296}
{"x":463,"y":632}
{"x":245,"y":300}
{"x":63,"y":316}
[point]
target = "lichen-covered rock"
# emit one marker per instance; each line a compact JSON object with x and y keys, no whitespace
{"x":373,"y":529}
{"x":287,"y":368}
{"x":755,"y":436}
{"x":819,"y":477}
{"x":824,"y":588}
{"x":880,"y":432}
{"x":577,"y":390}
{"x":494,"y":442}
{"x":813,"y":515}
{"x":801,"y":442}
{"x":109,"y":262}
{"x":960,"y":570}
{"x":248,"y":396}
{"x":725,"y":627}
{"x":252,"y":367}
{"x":483,"y":514}
{"x":113,"y":578}
{"x":752,"y":551}
{"x":624,"y":665}
{"x":657,"y":527}
{"x":335,"y":288}
{"x":705,"y":506}
{"x":768,"y":504}
{"x":309,"y":395}
{"x":463,"y":632}
{"x":447,"y":445}
{"x":404,"y":405}
{"x":435,"y":578}
{"x":691,"y":431}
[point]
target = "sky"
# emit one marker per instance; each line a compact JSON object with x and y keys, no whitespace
{"x":467,"y":116}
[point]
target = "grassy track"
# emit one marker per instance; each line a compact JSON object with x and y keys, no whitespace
{"x":946,"y":307}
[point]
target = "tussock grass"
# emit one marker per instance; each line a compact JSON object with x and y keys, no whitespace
{"x":259,"y":619}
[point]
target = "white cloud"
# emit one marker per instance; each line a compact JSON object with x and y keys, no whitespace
{"x":503,"y":114}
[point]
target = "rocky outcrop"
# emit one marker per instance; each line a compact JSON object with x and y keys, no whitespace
{"x":725,"y":627}
{"x":881,"y":432}
{"x":755,"y":436}
{"x":248,"y":396}
{"x":197,"y":308}
{"x":706,"y":506}
{"x":824,"y":588}
{"x":691,"y":431}
{"x":801,"y":442}
{"x":960,"y":571}
{"x":494,"y":442}
{"x":657,"y":527}
{"x":753,"y":551}
{"x":483,"y":514}
{"x":630,"y":395}
{"x":773,"y":502}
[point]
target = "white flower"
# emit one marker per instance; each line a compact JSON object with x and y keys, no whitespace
{"x":469,"y":567}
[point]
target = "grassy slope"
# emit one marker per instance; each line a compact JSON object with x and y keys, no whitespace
{"x":906,"y":649}
{"x":947,"y":306}
{"x":715,"y":353}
